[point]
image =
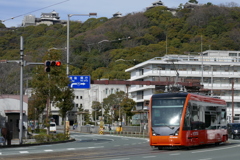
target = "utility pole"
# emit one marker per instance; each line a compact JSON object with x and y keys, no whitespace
{"x":232,"y":100}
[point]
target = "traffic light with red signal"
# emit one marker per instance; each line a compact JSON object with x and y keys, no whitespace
{"x":49,"y":64}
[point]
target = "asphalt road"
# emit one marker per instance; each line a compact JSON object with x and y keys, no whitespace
{"x":107,"y":147}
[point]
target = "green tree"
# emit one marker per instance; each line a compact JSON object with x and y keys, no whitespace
{"x":128,"y":106}
{"x":52,"y":87}
{"x":112,"y":105}
{"x":96,"y":106}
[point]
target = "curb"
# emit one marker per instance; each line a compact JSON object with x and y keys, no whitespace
{"x":36,"y":144}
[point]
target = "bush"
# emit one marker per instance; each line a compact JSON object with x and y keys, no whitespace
{"x":42,"y":138}
{"x":62,"y":137}
{"x":39,"y":138}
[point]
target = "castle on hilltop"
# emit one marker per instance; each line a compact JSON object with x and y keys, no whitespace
{"x":46,"y":18}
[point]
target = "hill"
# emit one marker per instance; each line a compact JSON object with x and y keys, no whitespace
{"x":104,"y":48}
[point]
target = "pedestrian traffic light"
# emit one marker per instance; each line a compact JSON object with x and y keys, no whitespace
{"x":48,"y":64}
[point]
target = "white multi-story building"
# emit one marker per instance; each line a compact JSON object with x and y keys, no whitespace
{"x":216,"y":70}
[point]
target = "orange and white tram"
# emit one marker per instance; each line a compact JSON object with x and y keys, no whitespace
{"x":186,"y":119}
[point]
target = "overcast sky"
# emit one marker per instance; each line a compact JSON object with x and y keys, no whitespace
{"x":104,"y":8}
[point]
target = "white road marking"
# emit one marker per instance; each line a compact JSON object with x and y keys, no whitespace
{"x":49,"y":150}
{"x":96,"y":147}
{"x":218,"y":149}
{"x":23,"y":152}
{"x":175,"y":154}
{"x":149,"y":157}
{"x":71,"y":148}
{"x":21,"y":148}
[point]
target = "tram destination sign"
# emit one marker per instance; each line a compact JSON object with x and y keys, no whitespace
{"x":80,"y":82}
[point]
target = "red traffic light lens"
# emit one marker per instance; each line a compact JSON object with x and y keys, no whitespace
{"x":58,"y":63}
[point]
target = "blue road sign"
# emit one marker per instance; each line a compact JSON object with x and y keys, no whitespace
{"x":80,"y":82}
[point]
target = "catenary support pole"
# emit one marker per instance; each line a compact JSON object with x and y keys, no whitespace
{"x":21,"y":91}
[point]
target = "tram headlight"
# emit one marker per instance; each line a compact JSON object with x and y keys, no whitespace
{"x":235,"y":131}
{"x":153,"y":133}
{"x":176,"y":132}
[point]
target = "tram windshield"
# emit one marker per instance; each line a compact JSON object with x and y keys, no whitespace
{"x":166,"y":112}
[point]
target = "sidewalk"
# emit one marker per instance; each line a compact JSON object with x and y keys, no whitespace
{"x":25,"y":141}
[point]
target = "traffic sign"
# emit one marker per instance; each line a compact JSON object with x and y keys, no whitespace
{"x":80,"y":82}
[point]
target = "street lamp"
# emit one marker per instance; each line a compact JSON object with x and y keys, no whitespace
{"x":68,"y":26}
{"x":110,"y":41}
{"x":105,"y":40}
{"x":54,"y":48}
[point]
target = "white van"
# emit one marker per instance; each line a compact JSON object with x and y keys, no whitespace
{"x":53,"y":127}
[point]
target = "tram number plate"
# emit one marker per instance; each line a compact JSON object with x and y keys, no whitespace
{"x":195,"y":133}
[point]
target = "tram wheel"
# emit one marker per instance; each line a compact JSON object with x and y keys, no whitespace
{"x":160,"y":148}
{"x":217,"y":144}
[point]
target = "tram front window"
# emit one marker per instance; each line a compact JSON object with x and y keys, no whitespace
{"x":166,"y":112}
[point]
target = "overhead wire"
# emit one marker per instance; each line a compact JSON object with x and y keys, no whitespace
{"x":35,"y":10}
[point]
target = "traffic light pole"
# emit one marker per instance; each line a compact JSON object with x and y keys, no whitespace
{"x":22,"y":64}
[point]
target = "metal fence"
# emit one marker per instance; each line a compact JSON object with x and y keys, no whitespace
{"x":130,"y":131}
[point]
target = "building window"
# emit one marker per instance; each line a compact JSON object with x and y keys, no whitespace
{"x":112,"y":91}
{"x":141,"y":72}
{"x":76,"y":97}
{"x":81,"y":105}
{"x":76,"y":105}
{"x":80,"y":97}
{"x":117,"y":90}
{"x":233,"y":54}
{"x":106,"y":91}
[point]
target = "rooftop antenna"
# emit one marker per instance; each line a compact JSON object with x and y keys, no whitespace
{"x":166,"y":44}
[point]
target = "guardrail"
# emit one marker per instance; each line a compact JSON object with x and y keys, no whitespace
{"x":128,"y":134}
{"x":128,"y":131}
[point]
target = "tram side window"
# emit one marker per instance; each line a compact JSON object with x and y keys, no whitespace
{"x":187,"y":124}
{"x":215,"y":117}
{"x":223,"y":121}
{"x":193,"y":118}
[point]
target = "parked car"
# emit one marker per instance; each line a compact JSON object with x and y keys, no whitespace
{"x":233,"y":130}
{"x":53,"y":127}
